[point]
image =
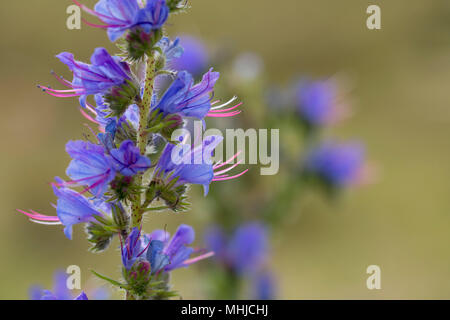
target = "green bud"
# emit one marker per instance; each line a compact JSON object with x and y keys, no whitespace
{"x":119,"y":98}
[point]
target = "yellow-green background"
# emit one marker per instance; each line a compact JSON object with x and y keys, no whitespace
{"x":402,"y":111}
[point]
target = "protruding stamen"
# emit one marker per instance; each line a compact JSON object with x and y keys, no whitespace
{"x":196,"y":259}
{"x":219,"y":164}
{"x":231,"y":177}
{"x":39,"y":217}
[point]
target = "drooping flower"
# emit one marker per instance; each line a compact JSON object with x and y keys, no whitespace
{"x":119,"y":16}
{"x":244,"y":252}
{"x":105,"y":75}
{"x":59,"y":292}
{"x":127,"y":159}
{"x":72,"y":208}
{"x":195,"y":57}
{"x":193,"y":164}
{"x":169,"y":254}
{"x":337,"y":164}
{"x":90,"y":166}
{"x":317,"y":103}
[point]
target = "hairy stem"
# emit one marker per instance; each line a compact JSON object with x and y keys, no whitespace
{"x":142,"y":136}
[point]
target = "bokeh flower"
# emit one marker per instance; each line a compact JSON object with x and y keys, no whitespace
{"x":245,"y":251}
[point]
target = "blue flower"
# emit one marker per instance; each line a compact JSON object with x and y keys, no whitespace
{"x":104,"y":75}
{"x":72,"y":208}
{"x":316,"y":102}
{"x":186,"y":99}
{"x":246,"y":250}
{"x":153,"y":16}
{"x":127,"y":159}
{"x":132,"y":249}
{"x":168,"y":254}
{"x":195,"y":57}
{"x":171,"y":49}
{"x":338,"y":164}
{"x":90,"y":166}
{"x":119,"y":16}
{"x":60,"y":290}
{"x":191,"y":165}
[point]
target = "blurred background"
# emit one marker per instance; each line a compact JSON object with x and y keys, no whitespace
{"x":400,"y":98}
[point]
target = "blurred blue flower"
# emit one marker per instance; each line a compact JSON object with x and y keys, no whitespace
{"x":338,"y":164}
{"x":59,"y":292}
{"x":195,"y":58}
{"x":316,"y":102}
{"x":245,"y":251}
{"x":263,"y":286}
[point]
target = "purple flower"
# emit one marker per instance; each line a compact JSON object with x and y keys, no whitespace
{"x":60,"y":290}
{"x":186,"y":99}
{"x":316,"y":102}
{"x":90,"y":166}
{"x":153,"y":16}
{"x":104,"y":75}
{"x":195,"y":57}
{"x":245,"y":251}
{"x":72,"y":208}
{"x":169,"y":254}
{"x":338,"y":164}
{"x":171,"y":49}
{"x":132,"y":249}
{"x":193,"y":165}
{"x":127,"y":159}
{"x":119,"y":16}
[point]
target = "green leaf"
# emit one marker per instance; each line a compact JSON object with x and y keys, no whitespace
{"x":113,"y":282}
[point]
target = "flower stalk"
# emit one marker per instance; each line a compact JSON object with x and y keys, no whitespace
{"x":142,"y":137}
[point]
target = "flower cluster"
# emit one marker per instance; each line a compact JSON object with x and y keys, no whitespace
{"x":118,"y":176}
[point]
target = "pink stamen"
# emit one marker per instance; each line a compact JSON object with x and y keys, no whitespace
{"x":219,"y":165}
{"x":223,"y":115}
{"x":230,"y":178}
{"x":39,"y":217}
{"x":228,"y":169}
{"x":196,"y":259}
{"x":63,"y":81}
{"x":106,"y":26}
{"x":229,"y":109}
{"x":89,"y":117}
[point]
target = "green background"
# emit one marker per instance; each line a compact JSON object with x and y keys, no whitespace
{"x":401,"y":77}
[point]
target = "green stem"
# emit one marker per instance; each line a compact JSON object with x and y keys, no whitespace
{"x":142,"y":136}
